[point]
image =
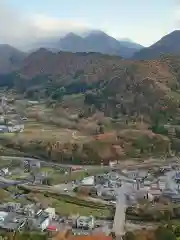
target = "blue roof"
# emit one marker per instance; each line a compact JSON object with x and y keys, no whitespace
{"x":177,"y":176}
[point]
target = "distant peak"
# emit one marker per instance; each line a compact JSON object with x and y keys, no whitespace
{"x":42,"y":50}
{"x":71,"y":34}
{"x":97,"y":32}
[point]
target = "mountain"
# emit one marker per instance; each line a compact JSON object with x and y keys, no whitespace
{"x":72,"y":43}
{"x":97,"y":41}
{"x":132,"y":45}
{"x":119,"y":106}
{"x":169,"y":44}
{"x":91,"y":41}
{"x":10,"y":58}
{"x":114,"y":85}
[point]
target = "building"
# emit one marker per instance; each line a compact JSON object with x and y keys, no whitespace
{"x":42,"y":221}
{"x":4,"y":171}
{"x":85,"y":222}
{"x":177,"y":177}
{"x":12,"y":206}
{"x":171,"y":194}
{"x":88,"y":181}
{"x":31,"y":165}
{"x":51,"y":212}
{"x":32,"y":210}
{"x":2,"y":120}
{"x":16,"y":128}
{"x":4,"y":129}
{"x":108,"y":194}
{"x":113,"y":163}
{"x":11,"y":221}
{"x":52,"y":228}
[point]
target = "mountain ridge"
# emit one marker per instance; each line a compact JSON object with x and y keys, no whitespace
{"x":92,"y":41}
{"x":10,"y":58}
{"x":168,"y":44}
{"x":98,"y":41}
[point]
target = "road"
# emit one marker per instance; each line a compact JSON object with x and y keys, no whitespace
{"x":125,"y":164}
{"x":52,"y":164}
{"x":4,"y":182}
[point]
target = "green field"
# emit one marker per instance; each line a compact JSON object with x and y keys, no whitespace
{"x":65,"y":206}
{"x":58,"y":178}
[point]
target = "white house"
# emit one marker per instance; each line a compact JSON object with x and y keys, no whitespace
{"x":88,"y":180}
{"x":85,"y":222}
{"x":5,"y":171}
{"x":51,"y":212}
{"x":16,"y":128}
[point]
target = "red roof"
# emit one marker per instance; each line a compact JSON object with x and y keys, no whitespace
{"x":52,"y":228}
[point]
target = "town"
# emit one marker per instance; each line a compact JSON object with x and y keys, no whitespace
{"x":123,"y":191}
{"x":47,"y":196}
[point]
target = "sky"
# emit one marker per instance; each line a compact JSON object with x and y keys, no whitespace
{"x":142,"y":21}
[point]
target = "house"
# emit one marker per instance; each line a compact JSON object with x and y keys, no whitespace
{"x":88,"y":181}
{"x":4,"y":129}
{"x":51,"y":212}
{"x":16,"y":128}
{"x":10,"y":221}
{"x":42,"y":221}
{"x":52,"y":228}
{"x":108,"y":194}
{"x":2,"y":120}
{"x":32,"y":210}
{"x":177,"y":177}
{"x":4,"y":172}
{"x":12,"y":206}
{"x":85,"y":222}
{"x":31,"y":165}
{"x":38,"y":223}
{"x":155,"y":190}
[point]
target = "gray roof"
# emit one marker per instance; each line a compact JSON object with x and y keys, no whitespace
{"x":12,"y":221}
{"x":3,"y":126}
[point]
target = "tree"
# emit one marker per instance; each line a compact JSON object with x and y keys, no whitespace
{"x":163,"y":233}
{"x":58,"y":94}
{"x":49,"y":181}
{"x":101,"y":129}
{"x":177,"y":231}
{"x":129,"y":236}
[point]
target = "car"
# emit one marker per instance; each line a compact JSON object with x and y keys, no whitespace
{"x":65,"y":190}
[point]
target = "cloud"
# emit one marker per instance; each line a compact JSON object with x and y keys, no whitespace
{"x":176,"y":14}
{"x":17,"y":29}
{"x":55,"y":25}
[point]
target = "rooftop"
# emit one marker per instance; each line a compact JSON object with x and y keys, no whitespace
{"x":11,"y":220}
{"x":41,"y":218}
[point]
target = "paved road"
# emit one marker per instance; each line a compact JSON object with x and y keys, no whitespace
{"x":52,"y":164}
{"x":4,"y":182}
{"x":150,"y":162}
